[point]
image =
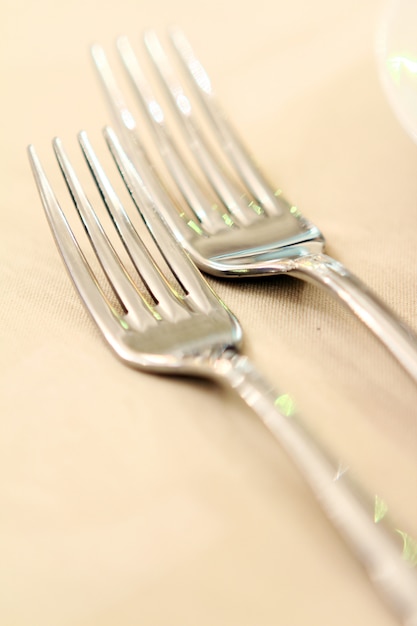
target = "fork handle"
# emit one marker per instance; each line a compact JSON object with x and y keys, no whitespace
{"x":392,"y":332}
{"x":376,"y":545}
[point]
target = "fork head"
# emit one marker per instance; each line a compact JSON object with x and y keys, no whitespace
{"x":168,"y":332}
{"x":238,"y":225}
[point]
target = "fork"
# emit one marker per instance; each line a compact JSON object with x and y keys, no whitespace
{"x":241,"y":226}
{"x":194,"y":333}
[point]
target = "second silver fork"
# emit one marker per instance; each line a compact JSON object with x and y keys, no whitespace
{"x":240,"y":231}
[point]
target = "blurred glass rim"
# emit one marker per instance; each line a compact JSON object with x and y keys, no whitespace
{"x":396,"y":53}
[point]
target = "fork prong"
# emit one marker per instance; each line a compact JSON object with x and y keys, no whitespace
{"x":243,"y":209}
{"x":193,"y":283}
{"x":169,"y":302}
{"x":206,"y":209}
{"x":271,"y":200}
{"x":127,"y":124}
{"x":95,"y":301}
{"x":120,"y":280}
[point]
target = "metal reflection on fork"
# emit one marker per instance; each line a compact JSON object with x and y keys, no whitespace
{"x":195,"y":334}
{"x":240,"y":231}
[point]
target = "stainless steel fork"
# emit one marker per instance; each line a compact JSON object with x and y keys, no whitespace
{"x":242,"y":230}
{"x":195,"y":334}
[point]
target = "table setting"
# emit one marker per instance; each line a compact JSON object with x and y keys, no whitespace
{"x":130,"y":497}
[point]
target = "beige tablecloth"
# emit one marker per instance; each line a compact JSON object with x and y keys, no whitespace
{"x":128,"y":499}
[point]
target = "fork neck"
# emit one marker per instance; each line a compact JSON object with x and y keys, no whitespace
{"x":399,"y":338}
{"x":236,"y":371}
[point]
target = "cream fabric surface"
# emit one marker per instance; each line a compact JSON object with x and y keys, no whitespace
{"x":128,"y":499}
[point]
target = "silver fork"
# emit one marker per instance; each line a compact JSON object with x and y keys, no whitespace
{"x":195,"y":334}
{"x":244,"y":229}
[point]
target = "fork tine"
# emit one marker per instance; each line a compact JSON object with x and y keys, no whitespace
{"x":126,"y":122}
{"x":106,"y":318}
{"x":272,"y":201}
{"x":121,"y":282}
{"x":206,"y":210}
{"x":234,"y":198}
{"x":158,"y":286}
{"x":171,"y":249}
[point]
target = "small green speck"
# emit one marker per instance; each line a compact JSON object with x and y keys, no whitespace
{"x":227,"y":219}
{"x":295,"y":211}
{"x":409,"y":548}
{"x":285,"y":404}
{"x":401,"y":66}
{"x":380,"y":510}
{"x":196,"y":228}
{"x":255,"y":207}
